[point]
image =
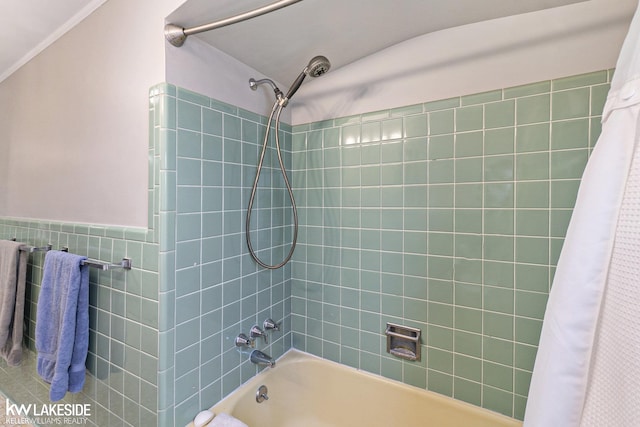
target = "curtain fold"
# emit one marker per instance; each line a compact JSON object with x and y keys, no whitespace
{"x":563,"y":388}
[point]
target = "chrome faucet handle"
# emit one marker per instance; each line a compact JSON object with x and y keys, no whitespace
{"x":270,"y":325}
{"x":244,"y":341}
{"x":256,"y":332}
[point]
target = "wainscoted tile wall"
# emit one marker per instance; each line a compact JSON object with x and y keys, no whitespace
{"x":448,"y":216}
{"x":210,"y":288}
{"x":121,"y":383}
{"x":122,"y":363}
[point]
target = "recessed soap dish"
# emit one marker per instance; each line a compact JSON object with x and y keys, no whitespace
{"x":403,"y":341}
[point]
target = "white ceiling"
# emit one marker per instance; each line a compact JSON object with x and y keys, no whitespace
{"x":278,"y":44}
{"x":281,"y":43}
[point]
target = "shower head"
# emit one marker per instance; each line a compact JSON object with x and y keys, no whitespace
{"x":316,"y":67}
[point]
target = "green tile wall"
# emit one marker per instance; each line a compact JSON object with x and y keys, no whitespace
{"x":210,"y":288}
{"x":122,"y":363}
{"x":448,"y":216}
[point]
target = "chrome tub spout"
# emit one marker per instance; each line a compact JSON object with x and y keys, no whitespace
{"x":261,"y":359}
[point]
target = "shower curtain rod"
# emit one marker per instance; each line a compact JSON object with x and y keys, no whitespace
{"x":176,"y":35}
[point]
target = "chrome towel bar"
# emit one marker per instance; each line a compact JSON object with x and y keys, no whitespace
{"x":31,"y":249}
{"x":102,"y":265}
{"x":126,"y":263}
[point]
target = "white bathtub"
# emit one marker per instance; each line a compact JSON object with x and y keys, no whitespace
{"x":307,"y":391}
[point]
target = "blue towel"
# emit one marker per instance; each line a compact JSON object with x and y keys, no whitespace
{"x":62,"y":323}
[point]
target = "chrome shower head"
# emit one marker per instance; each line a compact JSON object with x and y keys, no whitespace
{"x":316,"y":67}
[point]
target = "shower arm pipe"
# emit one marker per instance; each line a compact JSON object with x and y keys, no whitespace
{"x":176,"y":35}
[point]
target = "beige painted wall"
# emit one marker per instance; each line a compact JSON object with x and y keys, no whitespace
{"x":74,"y":122}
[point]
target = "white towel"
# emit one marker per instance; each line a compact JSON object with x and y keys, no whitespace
{"x":225,"y":420}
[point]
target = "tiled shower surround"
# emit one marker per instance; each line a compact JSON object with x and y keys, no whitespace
{"x":448,"y":216}
{"x":210,"y":288}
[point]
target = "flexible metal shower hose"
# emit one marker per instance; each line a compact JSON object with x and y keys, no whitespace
{"x":277,"y":109}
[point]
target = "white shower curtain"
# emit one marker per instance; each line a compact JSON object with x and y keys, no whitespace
{"x":587,"y":371}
